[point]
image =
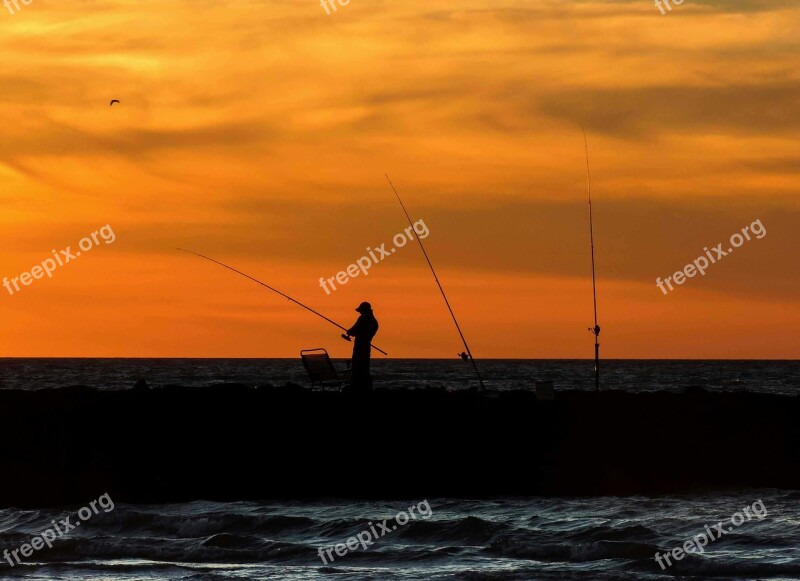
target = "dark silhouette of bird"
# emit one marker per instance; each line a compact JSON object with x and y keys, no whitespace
{"x":111,"y":104}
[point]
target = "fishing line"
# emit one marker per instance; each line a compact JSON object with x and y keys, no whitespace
{"x":276,"y":291}
{"x":439,"y":284}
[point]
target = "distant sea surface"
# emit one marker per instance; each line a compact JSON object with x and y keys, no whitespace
{"x":779,"y":377}
{"x":606,"y":538}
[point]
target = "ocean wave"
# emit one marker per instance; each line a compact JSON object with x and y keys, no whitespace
{"x":569,"y":551}
{"x":605,"y":533}
{"x":205,"y":524}
{"x":511,"y":539}
{"x":471,"y":530}
{"x":730,"y":567}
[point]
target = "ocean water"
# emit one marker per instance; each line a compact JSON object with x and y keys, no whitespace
{"x":780,"y":377}
{"x":502,"y":538}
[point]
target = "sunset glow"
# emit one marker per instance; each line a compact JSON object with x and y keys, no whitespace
{"x":259,"y":133}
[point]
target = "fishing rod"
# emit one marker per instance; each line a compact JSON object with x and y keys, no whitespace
{"x":444,"y":296}
{"x":280,"y":293}
{"x":596,"y":329}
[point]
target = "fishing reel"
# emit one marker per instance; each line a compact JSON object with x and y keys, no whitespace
{"x":346,"y":338}
{"x":595,"y":331}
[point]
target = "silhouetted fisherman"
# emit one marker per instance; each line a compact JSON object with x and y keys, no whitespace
{"x":364,"y":330}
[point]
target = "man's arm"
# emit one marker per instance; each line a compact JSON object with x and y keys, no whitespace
{"x":356,"y":329}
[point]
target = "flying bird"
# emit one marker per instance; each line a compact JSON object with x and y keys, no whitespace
{"x":111,"y":104}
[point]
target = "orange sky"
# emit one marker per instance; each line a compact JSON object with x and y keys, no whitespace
{"x":258,"y":132}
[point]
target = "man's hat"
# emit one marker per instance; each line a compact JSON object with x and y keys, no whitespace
{"x":364,"y":307}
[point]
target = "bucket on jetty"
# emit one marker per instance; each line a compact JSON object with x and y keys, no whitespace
{"x":544,"y":390}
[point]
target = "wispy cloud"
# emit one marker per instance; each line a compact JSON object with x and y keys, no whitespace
{"x":261,"y":129}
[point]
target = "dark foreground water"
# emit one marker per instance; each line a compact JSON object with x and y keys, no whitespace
{"x":535,"y":538}
{"x":631,"y":375}
{"x":504,"y":538}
